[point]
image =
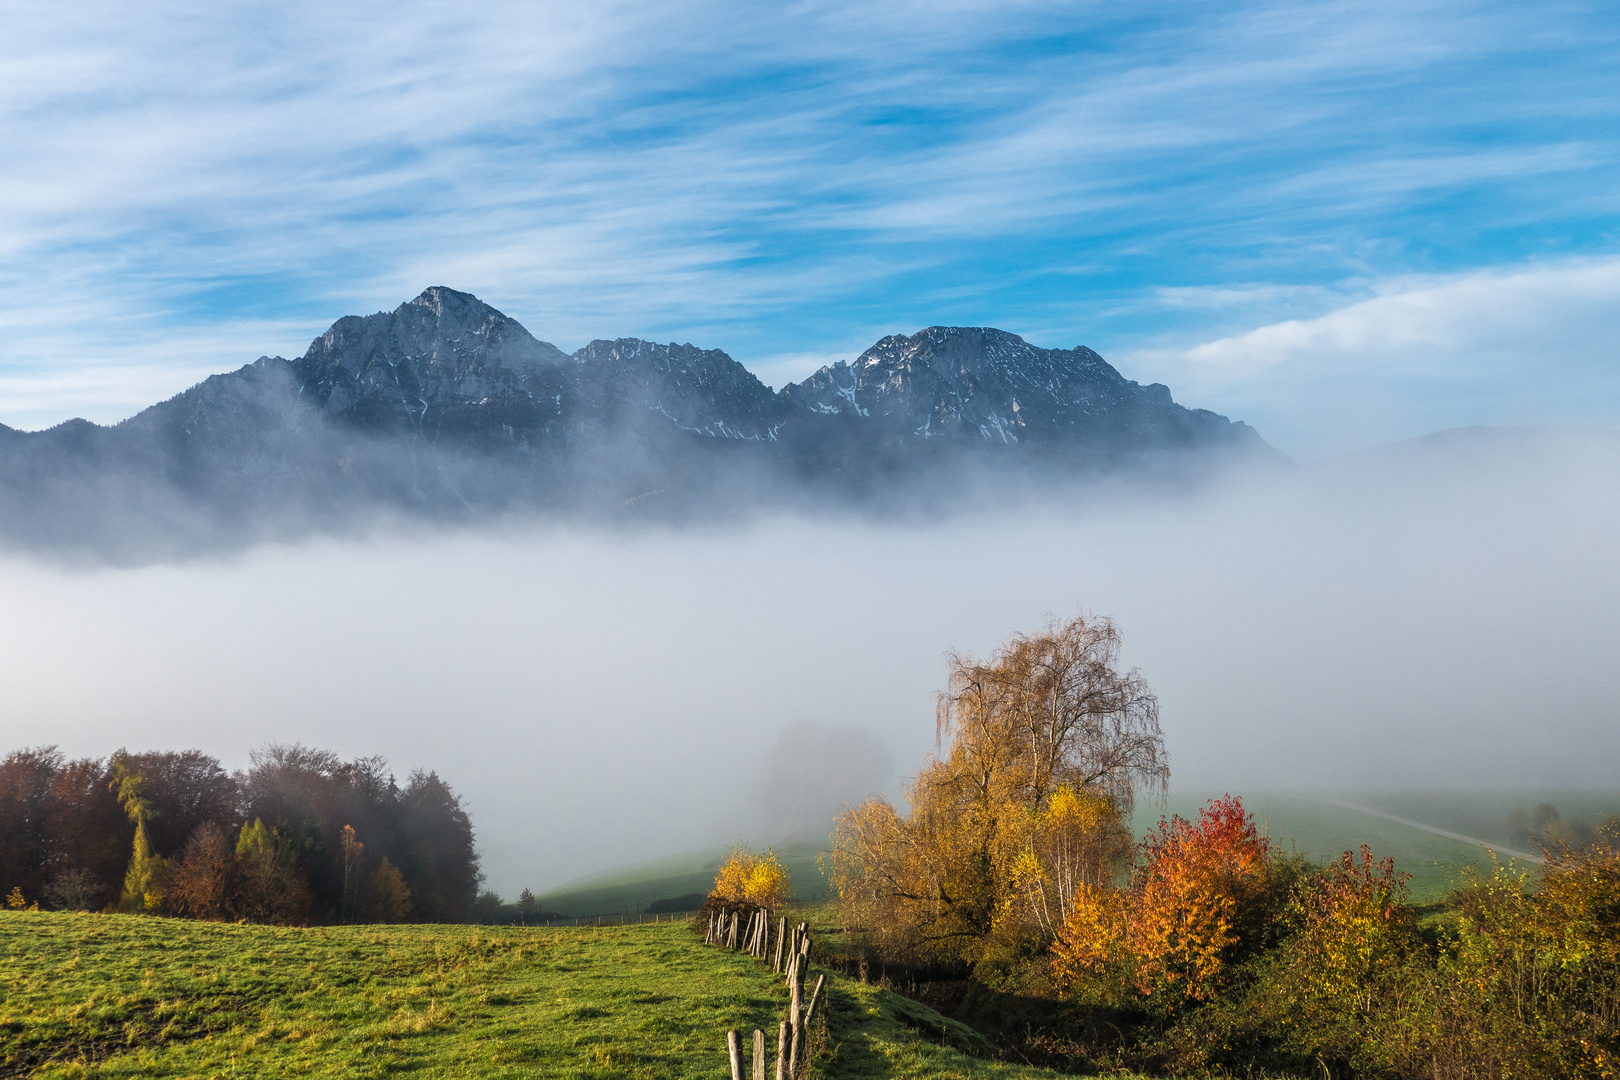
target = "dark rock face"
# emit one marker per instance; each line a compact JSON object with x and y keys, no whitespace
{"x":447,"y":406}
{"x":702,"y":391}
{"x":981,"y":383}
{"x":256,"y":418}
{"x":445,"y":363}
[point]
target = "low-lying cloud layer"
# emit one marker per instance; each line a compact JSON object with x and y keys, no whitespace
{"x":1438,"y":614}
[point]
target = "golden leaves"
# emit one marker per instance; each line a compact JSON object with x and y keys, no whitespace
{"x":749,"y":877}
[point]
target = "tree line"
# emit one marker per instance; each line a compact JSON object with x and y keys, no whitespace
{"x":299,"y":837}
{"x":1202,"y":949}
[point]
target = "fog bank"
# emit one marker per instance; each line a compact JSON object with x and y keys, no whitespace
{"x":1437,"y":613}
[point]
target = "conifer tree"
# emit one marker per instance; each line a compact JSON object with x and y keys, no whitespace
{"x":147,"y":878}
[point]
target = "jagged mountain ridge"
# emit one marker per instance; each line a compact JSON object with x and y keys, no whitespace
{"x":448,"y":365}
{"x":981,"y":382}
{"x":448,"y":405}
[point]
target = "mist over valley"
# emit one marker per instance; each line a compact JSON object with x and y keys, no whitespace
{"x":1435,"y":614}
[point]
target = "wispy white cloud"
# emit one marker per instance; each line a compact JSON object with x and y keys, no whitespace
{"x":1534,"y":344}
{"x":774,"y":181}
{"x":118,"y":377}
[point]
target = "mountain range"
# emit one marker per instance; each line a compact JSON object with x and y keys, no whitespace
{"x":447,"y":407}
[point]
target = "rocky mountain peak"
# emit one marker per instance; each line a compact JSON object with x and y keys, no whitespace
{"x":703,"y":391}
{"x":435,"y":355}
{"x":980,"y":382}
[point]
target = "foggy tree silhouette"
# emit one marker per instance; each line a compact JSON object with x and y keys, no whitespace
{"x":264,"y":844}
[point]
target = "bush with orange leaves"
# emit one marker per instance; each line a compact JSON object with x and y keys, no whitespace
{"x":747,"y":877}
{"x":1170,"y":935}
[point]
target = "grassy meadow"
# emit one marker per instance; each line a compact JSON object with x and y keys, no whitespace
{"x":108,"y":995}
{"x":112,"y":996}
{"x":628,"y":890}
{"x":1321,"y":830}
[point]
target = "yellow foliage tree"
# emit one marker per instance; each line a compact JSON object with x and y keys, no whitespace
{"x":1092,"y":940}
{"x":147,"y":877}
{"x":1048,"y":744}
{"x":747,"y":877}
{"x":1077,"y":842}
{"x":273,"y":890}
{"x":1352,"y":924}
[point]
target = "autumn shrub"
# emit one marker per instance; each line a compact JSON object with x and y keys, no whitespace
{"x":1170,"y":935}
{"x":1531,"y":983}
{"x":1524,"y":983}
{"x":1352,"y":961}
{"x":751,"y":878}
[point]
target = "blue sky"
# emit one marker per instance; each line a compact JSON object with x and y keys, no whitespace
{"x":1345,"y":223}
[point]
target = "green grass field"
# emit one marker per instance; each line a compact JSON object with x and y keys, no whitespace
{"x":1318,"y":829}
{"x":628,"y":890}
{"x":114,"y":996}
{"x":1323,"y":831}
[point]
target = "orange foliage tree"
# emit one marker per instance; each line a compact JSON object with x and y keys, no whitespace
{"x":1171,"y":932}
{"x":1048,"y":744}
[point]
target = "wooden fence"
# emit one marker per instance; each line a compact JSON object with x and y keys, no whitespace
{"x":787,"y":950}
{"x":546,"y":919}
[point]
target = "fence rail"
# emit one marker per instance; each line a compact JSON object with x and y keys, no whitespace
{"x":608,"y":920}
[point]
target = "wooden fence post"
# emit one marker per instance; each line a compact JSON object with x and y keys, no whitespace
{"x":781,"y":936}
{"x":736,"y":1055}
{"x":759,"y":1054}
{"x":795,"y":1017}
{"x":782,"y":1051}
{"x":810,"y":1010}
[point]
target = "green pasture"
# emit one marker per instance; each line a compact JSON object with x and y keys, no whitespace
{"x":1316,"y":825}
{"x":1323,"y":831}
{"x":1319,"y":829}
{"x":628,"y":890}
{"x":111,"y":996}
